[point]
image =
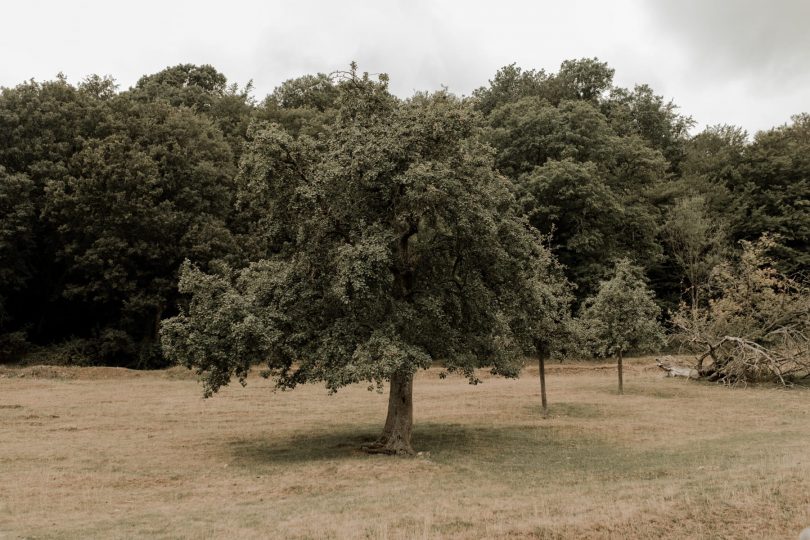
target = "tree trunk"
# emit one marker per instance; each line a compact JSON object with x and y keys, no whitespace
{"x":621,"y":378}
{"x":694,"y":298}
{"x":541,"y":359}
{"x":396,"y":435}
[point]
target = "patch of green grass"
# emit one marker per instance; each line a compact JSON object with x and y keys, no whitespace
{"x":660,"y":392}
{"x":583,"y":411}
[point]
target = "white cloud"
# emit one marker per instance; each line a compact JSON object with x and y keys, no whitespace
{"x":742,"y":62}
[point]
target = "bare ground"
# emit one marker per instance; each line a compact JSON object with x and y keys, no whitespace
{"x":106,"y":453}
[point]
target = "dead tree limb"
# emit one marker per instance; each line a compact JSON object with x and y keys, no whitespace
{"x":667,"y":364}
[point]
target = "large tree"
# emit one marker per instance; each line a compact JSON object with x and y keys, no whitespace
{"x":511,"y":83}
{"x":42,"y":126}
{"x":775,"y":196}
{"x":136,"y":203}
{"x":591,"y":188}
{"x":391,"y":243}
{"x":572,"y":201}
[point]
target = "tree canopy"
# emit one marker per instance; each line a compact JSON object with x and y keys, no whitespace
{"x":394,"y":244}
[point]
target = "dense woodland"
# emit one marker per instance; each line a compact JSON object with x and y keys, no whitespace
{"x":117,"y":207}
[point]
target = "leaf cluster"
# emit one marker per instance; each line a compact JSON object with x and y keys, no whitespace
{"x":390,"y":243}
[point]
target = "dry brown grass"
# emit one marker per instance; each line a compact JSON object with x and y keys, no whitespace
{"x":111,"y":453}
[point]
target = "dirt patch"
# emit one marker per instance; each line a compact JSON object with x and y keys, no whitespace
{"x":90,"y":373}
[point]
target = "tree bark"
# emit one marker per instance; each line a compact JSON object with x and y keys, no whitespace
{"x":621,"y":378}
{"x":541,"y":360}
{"x":396,"y":436}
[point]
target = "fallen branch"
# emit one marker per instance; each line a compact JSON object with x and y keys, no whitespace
{"x":666,"y":363}
{"x":755,"y":326}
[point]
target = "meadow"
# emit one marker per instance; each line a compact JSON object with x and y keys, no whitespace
{"x":115,"y":453}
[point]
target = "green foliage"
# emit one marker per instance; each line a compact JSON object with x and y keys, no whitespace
{"x":642,"y":112}
{"x":104,"y":193}
{"x":531,"y":131}
{"x":135,"y":205}
{"x":103,"y":196}
{"x":310,"y":91}
{"x":585,"y":79}
{"x":218,"y":333}
{"x":713,"y":169}
{"x":17,"y":214}
{"x":509,"y":85}
{"x":776,"y":193}
{"x":391,"y":243}
{"x":42,"y":125}
{"x":697,"y":243}
{"x":572,"y":201}
{"x":714,"y":158}
{"x":592,"y":189}
{"x":305,"y":105}
{"x":13,"y":346}
{"x":757,"y":188}
{"x":205,"y":91}
{"x":623,"y":315}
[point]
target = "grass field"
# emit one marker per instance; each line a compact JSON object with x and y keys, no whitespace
{"x":109,"y":453}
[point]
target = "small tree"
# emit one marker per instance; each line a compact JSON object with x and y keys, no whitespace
{"x":552,"y":323}
{"x":623,"y":316}
{"x":696,"y":240}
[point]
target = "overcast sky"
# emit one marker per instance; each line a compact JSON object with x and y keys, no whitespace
{"x":741,"y":62}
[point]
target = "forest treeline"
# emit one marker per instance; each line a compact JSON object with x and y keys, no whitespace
{"x":105,"y":193}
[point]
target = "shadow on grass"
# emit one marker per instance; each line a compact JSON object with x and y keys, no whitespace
{"x":525,"y":454}
{"x":571,"y":410}
{"x":345,"y":441}
{"x":529,"y":447}
{"x":340,"y":442}
{"x":664,"y":391}
{"x":517,"y":455}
